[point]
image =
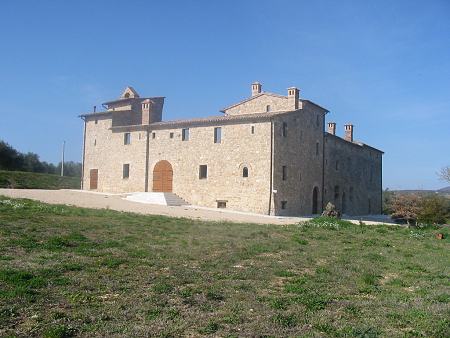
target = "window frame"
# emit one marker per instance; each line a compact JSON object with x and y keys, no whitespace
{"x":125,"y":171}
{"x":217,"y":135}
{"x":203,"y":172}
{"x":284,"y":173}
{"x":185,"y":134}
{"x":126,"y":138}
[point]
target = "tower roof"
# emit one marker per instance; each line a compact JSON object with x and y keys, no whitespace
{"x":129,"y":92}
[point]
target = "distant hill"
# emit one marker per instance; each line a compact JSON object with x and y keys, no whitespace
{"x":445,"y":190}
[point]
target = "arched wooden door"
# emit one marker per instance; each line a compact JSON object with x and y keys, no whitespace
{"x":162,"y":177}
{"x":315,"y":201}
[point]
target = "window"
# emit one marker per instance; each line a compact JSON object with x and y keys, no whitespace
{"x":126,"y":138}
{"x":126,"y":171}
{"x":217,"y":135}
{"x":336,"y":192}
{"x":337,"y":165}
{"x":284,"y":132}
{"x":245,"y":172}
{"x":185,"y":134}
{"x":283,"y":204}
{"x":268,"y":108}
{"x":95,"y":141}
{"x":203,"y":171}
{"x":317,"y":148}
{"x":317,"y":121}
{"x":253,"y":129}
{"x":153,"y":135}
{"x":96,"y":121}
{"x":171,"y":135}
{"x":284,"y":173}
{"x":221,"y":204}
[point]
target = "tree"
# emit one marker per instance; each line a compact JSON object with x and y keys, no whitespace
{"x":444,"y":173}
{"x":406,"y":206}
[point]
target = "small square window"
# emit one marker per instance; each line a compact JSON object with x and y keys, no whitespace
{"x":127,"y":138}
{"x":218,"y":135}
{"x":203,"y":172}
{"x":185,"y":134}
{"x":171,"y":135}
{"x":221,"y":204}
{"x":126,"y":171}
{"x":283,"y":204}
{"x":284,"y":173}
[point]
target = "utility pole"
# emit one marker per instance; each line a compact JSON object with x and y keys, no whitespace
{"x":62,"y":158}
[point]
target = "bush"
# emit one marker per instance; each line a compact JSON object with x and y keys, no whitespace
{"x":331,"y":211}
{"x":434,"y":210}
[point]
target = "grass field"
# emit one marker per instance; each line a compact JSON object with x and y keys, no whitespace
{"x":67,"y":271}
{"x":26,"y":180}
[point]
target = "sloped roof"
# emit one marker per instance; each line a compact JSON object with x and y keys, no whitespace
{"x":252,"y":98}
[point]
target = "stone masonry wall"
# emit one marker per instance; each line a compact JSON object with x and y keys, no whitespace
{"x":225,"y":161}
{"x":259,"y":105}
{"x":105,"y":151}
{"x":353,"y":176}
{"x":297,"y":151}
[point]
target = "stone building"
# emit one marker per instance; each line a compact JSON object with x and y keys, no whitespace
{"x":267,"y":154}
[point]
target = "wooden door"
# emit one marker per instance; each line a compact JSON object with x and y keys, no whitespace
{"x":93,"y":175}
{"x":162,"y":177}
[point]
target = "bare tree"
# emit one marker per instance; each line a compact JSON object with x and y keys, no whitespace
{"x":406,"y":206}
{"x":444,"y":174}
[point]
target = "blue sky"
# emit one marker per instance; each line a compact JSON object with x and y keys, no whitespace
{"x":382,"y":65}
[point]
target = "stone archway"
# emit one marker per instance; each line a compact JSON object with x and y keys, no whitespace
{"x":162,"y":177}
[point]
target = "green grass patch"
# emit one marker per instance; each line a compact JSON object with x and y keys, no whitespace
{"x":69,"y":271}
{"x":28,"y":180}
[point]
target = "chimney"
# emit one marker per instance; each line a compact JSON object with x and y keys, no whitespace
{"x":256,"y":88}
{"x":293,"y":96}
{"x":332,"y":128}
{"x":348,"y":132}
{"x":146,"y":109}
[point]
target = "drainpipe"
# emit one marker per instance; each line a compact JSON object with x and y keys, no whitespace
{"x":271,"y":166}
{"x":323,"y":164}
{"x":146,"y":160}
{"x":84,"y":152}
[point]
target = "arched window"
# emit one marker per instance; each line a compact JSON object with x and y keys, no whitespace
{"x":127,"y":95}
{"x":245,"y":172}
{"x":268,"y":108}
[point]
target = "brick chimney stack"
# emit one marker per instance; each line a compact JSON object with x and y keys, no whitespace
{"x":332,"y":128}
{"x":256,"y":88}
{"x":293,"y":97}
{"x":348,"y":132}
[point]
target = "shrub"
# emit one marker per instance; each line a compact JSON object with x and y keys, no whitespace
{"x":434,"y":210}
{"x":331,"y":211}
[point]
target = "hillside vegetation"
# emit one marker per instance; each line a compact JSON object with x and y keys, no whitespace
{"x":67,"y":271}
{"x":27,"y":180}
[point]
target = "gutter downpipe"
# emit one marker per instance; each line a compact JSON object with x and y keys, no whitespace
{"x":84,"y":153}
{"x":146,"y":159}
{"x":271,"y":166}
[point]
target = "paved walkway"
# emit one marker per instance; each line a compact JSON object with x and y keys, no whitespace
{"x":117,"y":202}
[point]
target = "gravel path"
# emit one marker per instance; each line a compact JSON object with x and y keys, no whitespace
{"x":95,"y":200}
